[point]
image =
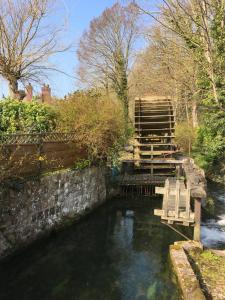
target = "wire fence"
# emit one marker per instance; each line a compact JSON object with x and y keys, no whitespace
{"x":35,"y":138}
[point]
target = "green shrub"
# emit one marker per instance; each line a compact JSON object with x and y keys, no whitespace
{"x":19,"y":116}
{"x":82,"y":164}
{"x":209,"y":149}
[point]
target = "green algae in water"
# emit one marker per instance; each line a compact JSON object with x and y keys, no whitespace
{"x":60,"y":287}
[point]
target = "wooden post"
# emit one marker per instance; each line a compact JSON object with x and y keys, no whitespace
{"x":188,"y":198}
{"x":177,"y":199}
{"x":166,"y":198}
{"x":197,"y":227}
{"x":40,"y":152}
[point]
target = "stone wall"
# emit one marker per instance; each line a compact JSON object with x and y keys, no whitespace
{"x":32,"y":208}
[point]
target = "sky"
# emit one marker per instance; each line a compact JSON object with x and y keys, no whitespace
{"x":79,"y":14}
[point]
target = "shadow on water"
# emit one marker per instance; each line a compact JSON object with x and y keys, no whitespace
{"x":119,"y":252}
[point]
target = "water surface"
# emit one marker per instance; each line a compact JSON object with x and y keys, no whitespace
{"x":213,"y":227}
{"x":119,"y":252}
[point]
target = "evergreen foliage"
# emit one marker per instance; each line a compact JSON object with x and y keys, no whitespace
{"x":26,"y":117}
{"x":209,"y":150}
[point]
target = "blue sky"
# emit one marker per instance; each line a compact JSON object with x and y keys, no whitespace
{"x":79,"y":14}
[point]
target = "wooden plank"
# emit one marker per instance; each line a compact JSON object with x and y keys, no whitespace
{"x":156,"y":122}
{"x":155,"y":161}
{"x":152,"y":112}
{"x":197,"y":228}
{"x":143,"y":105}
{"x":161,"y":191}
{"x":188,"y":198}
{"x":171,"y":215}
{"x":157,"y":167}
{"x":155,"y":99}
{"x":155,"y":129}
{"x":155,"y":145}
{"x":177,"y":198}
{"x":50,"y":146}
{"x":166,"y":198}
{"x":155,"y":116}
{"x":153,"y":106}
{"x":161,"y":152}
{"x":155,"y":136}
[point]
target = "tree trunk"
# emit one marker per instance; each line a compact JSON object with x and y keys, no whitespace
{"x":215,"y":94}
{"x":186,"y":110}
{"x":13,"y":88}
{"x":124,"y":98}
{"x":208,"y":48}
{"x":194,"y":114}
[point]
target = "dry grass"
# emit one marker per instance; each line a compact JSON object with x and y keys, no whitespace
{"x":185,"y":136}
{"x":97,"y":120}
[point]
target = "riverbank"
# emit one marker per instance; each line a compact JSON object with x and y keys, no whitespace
{"x":122,"y":240}
{"x":206,"y":265}
{"x":32,"y":208}
{"x":200,"y":272}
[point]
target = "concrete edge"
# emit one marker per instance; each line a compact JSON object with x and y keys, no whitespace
{"x":186,"y":277}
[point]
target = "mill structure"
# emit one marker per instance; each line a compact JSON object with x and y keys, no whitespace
{"x":154,"y":146}
{"x":155,"y":166}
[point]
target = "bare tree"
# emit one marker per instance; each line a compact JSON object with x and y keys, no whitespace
{"x":166,"y":67}
{"x":105,"y":50}
{"x":200,"y":24}
{"x":26,"y":40}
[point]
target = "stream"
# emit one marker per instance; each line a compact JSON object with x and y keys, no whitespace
{"x":213,"y":227}
{"x":118,"y":252}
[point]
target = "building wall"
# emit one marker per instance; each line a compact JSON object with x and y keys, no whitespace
{"x":33,"y":208}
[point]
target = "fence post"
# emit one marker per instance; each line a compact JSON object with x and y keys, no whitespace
{"x":40,"y":151}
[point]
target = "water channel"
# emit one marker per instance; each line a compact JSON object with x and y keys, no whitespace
{"x":213,"y":226}
{"x":119,"y":252}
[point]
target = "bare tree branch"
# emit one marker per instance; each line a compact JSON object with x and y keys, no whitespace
{"x":105,"y":50}
{"x":27,"y":40}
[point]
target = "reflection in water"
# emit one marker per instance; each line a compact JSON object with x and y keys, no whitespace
{"x":213,"y":229}
{"x":119,"y":252}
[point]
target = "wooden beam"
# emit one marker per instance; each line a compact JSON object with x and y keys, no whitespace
{"x":152,"y":112}
{"x":155,"y":116}
{"x":161,"y":191}
{"x":155,"y":129}
{"x":154,"y":144}
{"x":177,"y":199}
{"x":161,"y":152}
{"x":155,"y":122}
{"x":171,"y":215}
{"x":166,"y":198}
{"x":197,"y":212}
{"x":155,"y":161}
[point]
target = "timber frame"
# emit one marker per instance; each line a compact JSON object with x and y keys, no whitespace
{"x":156,"y":162}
